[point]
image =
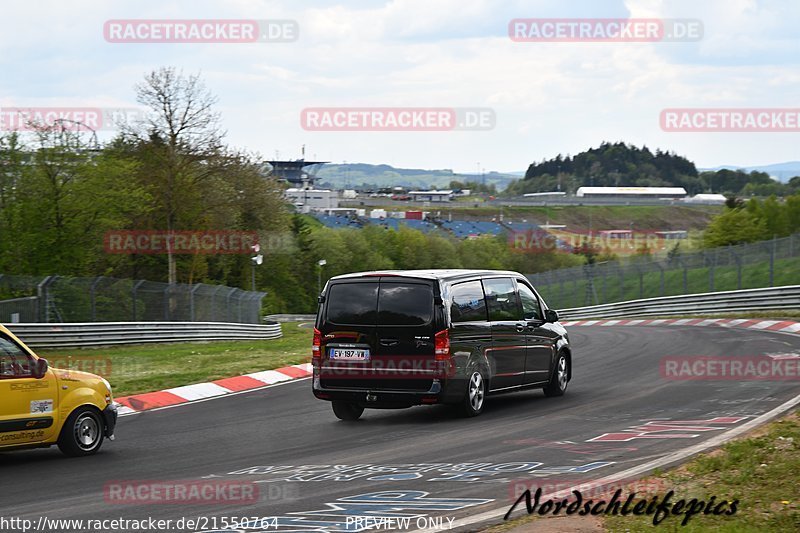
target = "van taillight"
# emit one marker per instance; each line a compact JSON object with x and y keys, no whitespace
{"x":441,"y":345}
{"x":315,"y":346}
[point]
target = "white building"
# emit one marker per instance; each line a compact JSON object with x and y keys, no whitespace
{"x":308,"y":200}
{"x":431,"y":196}
{"x":631,"y":192}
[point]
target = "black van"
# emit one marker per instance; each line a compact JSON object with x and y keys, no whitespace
{"x":399,"y":338}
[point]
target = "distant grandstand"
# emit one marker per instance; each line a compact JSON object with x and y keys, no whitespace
{"x":461,"y":229}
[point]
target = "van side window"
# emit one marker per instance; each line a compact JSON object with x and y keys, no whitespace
{"x":468,"y":302}
{"x":501,"y":299}
{"x":14,"y":362}
{"x":530,"y":304}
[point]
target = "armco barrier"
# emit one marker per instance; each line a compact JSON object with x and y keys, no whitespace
{"x":771,"y":298}
{"x":291,"y":318}
{"x":110,"y":333}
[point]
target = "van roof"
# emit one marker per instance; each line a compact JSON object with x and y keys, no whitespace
{"x":439,"y":274}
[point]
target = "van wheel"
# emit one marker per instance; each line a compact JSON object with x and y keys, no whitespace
{"x":82,"y":433}
{"x":475,"y":395}
{"x":346,"y":410}
{"x":558,"y":381}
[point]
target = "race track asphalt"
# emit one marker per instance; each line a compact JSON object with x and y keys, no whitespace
{"x":394,"y":463}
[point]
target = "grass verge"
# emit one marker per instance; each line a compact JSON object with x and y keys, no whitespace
{"x":151,"y":367}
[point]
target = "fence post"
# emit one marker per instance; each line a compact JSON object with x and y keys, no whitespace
{"x":712,"y":264}
{"x":136,"y":285}
{"x":166,"y":302}
{"x":738,"y":261}
{"x":92,"y":297}
{"x":43,"y":292}
{"x":772,"y":261}
{"x":228,"y":305}
{"x":191,"y":301}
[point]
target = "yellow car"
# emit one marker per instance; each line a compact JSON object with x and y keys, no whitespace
{"x":42,"y":406}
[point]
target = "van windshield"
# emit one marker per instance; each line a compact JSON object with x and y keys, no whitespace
{"x":385,"y":304}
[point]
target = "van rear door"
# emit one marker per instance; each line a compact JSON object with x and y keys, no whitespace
{"x":406,"y":351}
{"x":378,"y":332}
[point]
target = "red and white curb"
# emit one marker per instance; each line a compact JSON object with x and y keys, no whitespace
{"x":203,"y":391}
{"x":782,"y":326}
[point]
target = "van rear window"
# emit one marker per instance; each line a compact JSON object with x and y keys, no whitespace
{"x":402,"y":304}
{"x":352,"y":303}
{"x":398,"y":304}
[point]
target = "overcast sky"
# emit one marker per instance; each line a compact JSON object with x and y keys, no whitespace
{"x":549,"y":98}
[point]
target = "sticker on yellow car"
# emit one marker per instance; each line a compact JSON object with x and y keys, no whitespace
{"x":41,"y":406}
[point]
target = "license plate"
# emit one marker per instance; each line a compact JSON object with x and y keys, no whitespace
{"x":349,"y":354}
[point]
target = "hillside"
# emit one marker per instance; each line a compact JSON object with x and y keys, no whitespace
{"x":623,"y":165}
{"x":366,"y":176}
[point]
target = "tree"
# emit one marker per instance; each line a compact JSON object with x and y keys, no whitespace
{"x":180,"y":142}
{"x":734,"y":226}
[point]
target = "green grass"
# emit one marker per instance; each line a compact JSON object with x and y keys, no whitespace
{"x":150,"y":367}
{"x":573,"y":293}
{"x":761,"y":471}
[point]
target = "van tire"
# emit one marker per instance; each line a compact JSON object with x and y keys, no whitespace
{"x":558,"y":381}
{"x":82,"y":433}
{"x":475,"y":395}
{"x":347,"y":410}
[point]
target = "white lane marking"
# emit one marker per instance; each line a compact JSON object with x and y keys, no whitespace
{"x":611,"y":322}
{"x":645,"y":468}
{"x":198,"y":391}
{"x":269,"y":376}
{"x":794,"y":328}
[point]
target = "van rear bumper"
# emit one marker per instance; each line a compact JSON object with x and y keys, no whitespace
{"x":387,"y":398}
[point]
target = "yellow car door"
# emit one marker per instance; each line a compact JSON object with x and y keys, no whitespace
{"x":28,"y":403}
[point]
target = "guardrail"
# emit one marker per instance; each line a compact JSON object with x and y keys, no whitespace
{"x":787,"y":297}
{"x":70,"y":335}
{"x":291,"y":318}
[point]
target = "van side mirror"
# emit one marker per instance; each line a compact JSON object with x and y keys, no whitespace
{"x":40,"y":368}
{"x":550,"y":315}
